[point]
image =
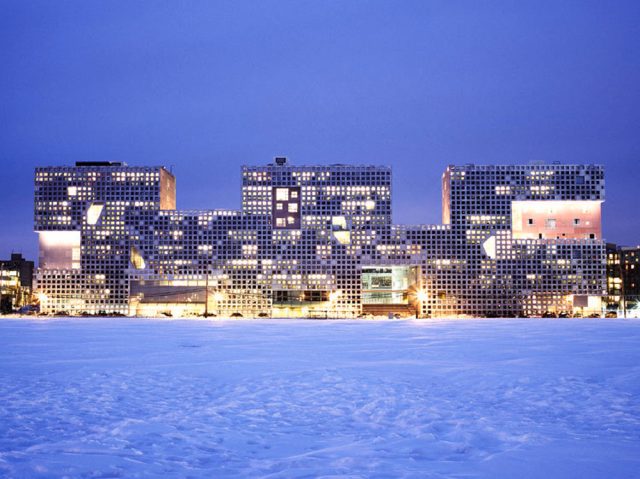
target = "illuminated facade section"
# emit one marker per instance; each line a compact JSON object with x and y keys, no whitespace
{"x":319,"y":241}
{"x":555,"y":219}
{"x":528,"y":237}
{"x":285,"y":208}
{"x":80,"y":215}
{"x":315,"y":268}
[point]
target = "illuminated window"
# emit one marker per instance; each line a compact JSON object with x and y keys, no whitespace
{"x":282,"y":194}
{"x":279,"y":206}
{"x":72,"y":190}
{"x":293,"y":207}
{"x":550,"y":223}
{"x":343,"y":237}
{"x":94,"y":212}
{"x":136,"y":258}
{"x":340,"y":222}
{"x":281,"y":222}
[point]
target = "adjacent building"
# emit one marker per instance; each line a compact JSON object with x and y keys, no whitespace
{"x":623,"y":280}
{"x":16,"y":276}
{"x":319,"y":241}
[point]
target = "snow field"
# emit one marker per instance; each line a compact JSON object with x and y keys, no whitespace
{"x":293,"y":398}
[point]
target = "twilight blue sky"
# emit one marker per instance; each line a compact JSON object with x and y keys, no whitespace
{"x":206,"y":86}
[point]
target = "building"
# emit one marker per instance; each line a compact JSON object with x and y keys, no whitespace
{"x":319,"y":241}
{"x":16,"y":276}
{"x":528,"y":238}
{"x":84,"y":245}
{"x":623,"y":280}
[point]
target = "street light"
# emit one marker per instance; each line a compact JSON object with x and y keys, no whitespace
{"x":218,"y":296}
{"x":422,"y":297}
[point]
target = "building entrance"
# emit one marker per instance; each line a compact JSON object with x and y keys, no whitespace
{"x":389,"y":290}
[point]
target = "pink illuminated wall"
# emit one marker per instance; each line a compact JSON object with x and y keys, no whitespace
{"x":446,"y":197}
{"x":556,"y":219}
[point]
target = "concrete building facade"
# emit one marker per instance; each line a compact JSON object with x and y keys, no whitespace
{"x":319,"y":241}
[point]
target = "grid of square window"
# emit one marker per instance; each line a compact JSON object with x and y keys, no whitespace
{"x":319,"y":241}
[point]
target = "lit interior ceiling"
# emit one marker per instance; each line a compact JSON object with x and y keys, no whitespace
{"x":94,"y":212}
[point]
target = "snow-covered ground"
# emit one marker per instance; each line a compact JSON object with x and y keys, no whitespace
{"x":285,"y":398}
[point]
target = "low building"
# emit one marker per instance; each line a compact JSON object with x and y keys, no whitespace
{"x":16,"y":277}
{"x":623,"y":280}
